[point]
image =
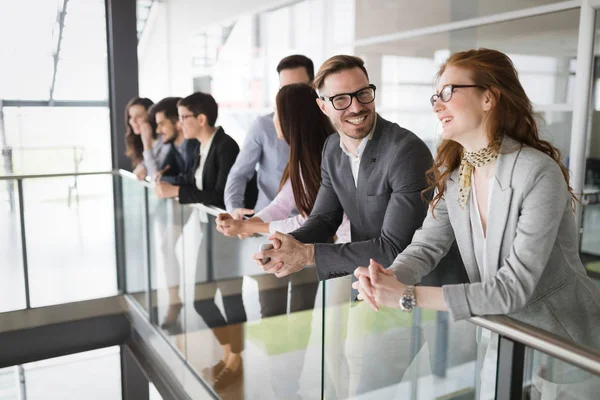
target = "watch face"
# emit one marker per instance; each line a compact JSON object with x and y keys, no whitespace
{"x":407,"y":303}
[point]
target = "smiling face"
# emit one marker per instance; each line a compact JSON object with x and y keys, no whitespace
{"x":137,"y":116}
{"x":357,"y":120}
{"x":463,"y":116}
{"x":166,"y":127}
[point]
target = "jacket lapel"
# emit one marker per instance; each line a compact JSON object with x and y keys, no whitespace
{"x":211,"y":154}
{"x":461,"y":223}
{"x":500,"y":201}
{"x":370,"y":157}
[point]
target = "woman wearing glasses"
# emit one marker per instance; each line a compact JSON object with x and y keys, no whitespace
{"x":504,"y":194}
{"x":305,"y":128}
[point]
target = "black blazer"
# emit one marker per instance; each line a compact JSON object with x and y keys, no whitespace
{"x":219,"y":160}
{"x":179,"y":163}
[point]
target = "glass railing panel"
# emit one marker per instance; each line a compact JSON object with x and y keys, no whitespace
{"x":392,"y":354}
{"x":266,"y":329}
{"x":590,"y":237}
{"x":135,"y":236}
{"x":92,"y":374}
{"x":70,"y":233}
{"x":165,"y":228}
{"x":12,"y":285}
{"x":546,"y":377}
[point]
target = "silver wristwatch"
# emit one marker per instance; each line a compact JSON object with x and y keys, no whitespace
{"x":408,"y":301}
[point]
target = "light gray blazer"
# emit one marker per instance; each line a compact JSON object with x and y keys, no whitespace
{"x":531,"y":238}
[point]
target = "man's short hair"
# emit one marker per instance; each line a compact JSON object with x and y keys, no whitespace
{"x":168,"y":106}
{"x":296,"y":61}
{"x":201,"y":103}
{"x":337,"y":64}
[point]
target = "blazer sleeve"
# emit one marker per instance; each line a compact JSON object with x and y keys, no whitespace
{"x":546,"y":197}
{"x":327,"y":212}
{"x":429,"y":245}
{"x":403,"y":216}
{"x":244,"y":168}
{"x":174,"y":174}
{"x":224,"y":160}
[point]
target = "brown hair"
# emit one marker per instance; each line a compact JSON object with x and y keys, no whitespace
{"x":305,"y":128}
{"x":337,"y":64}
{"x":512,"y":114}
{"x":297,"y":61}
{"x":133,"y":142}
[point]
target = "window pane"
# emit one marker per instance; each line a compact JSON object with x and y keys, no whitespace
{"x":70,"y":236}
{"x":545,"y":67}
{"x":380,"y":17}
{"x":12,"y":288}
{"x":58,"y":139}
{"x":30,"y":41}
{"x":89,"y":375}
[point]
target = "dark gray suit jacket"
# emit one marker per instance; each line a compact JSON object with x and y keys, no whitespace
{"x":384,"y":210}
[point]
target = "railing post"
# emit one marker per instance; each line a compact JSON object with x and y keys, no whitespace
{"x":119,"y":220}
{"x":148,"y":257}
{"x":511,"y":364}
{"x":23,"y":242}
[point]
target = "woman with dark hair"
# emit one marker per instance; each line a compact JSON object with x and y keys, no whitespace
{"x":300,"y":122}
{"x":503,"y":193}
{"x":142,"y":145}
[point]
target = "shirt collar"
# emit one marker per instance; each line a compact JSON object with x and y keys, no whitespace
{"x":362,"y":145}
{"x":207,"y":148}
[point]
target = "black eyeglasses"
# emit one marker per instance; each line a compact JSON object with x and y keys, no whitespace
{"x":446,"y":93}
{"x":344,"y":100}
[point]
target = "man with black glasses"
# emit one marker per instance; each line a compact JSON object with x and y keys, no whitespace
{"x":373,"y":170}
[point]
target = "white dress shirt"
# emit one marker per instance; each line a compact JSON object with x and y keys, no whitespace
{"x":203,"y":154}
{"x":479,"y":238}
{"x":355,"y":160}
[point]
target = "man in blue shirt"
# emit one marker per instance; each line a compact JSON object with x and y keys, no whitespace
{"x":261,"y":147}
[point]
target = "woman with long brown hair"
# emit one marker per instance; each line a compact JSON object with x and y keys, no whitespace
{"x":300,"y":122}
{"x":503,"y":193}
{"x":140,"y":133}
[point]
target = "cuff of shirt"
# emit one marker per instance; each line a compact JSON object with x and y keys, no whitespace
{"x":455,"y":297}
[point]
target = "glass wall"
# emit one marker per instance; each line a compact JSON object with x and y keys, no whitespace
{"x":70,"y":239}
{"x":12,"y":285}
{"x":235,"y":60}
{"x":546,"y":70}
{"x":59,"y":57}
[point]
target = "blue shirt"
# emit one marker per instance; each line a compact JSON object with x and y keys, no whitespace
{"x":264,"y":150}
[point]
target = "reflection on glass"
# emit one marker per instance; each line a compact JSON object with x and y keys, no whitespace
{"x":134,"y":222}
{"x":392,"y":354}
{"x":549,"y":378}
{"x":166,"y":258}
{"x":12,"y":286}
{"x":246,"y":334}
{"x":70,"y":245}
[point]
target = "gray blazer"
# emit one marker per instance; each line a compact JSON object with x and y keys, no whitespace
{"x":384,"y":210}
{"x":531,"y":238}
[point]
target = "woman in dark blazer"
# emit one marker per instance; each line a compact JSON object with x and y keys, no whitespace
{"x":205,"y":178}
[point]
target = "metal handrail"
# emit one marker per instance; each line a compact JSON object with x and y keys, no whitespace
{"x":208,"y":209}
{"x":14,"y":177}
{"x":584,"y":357}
